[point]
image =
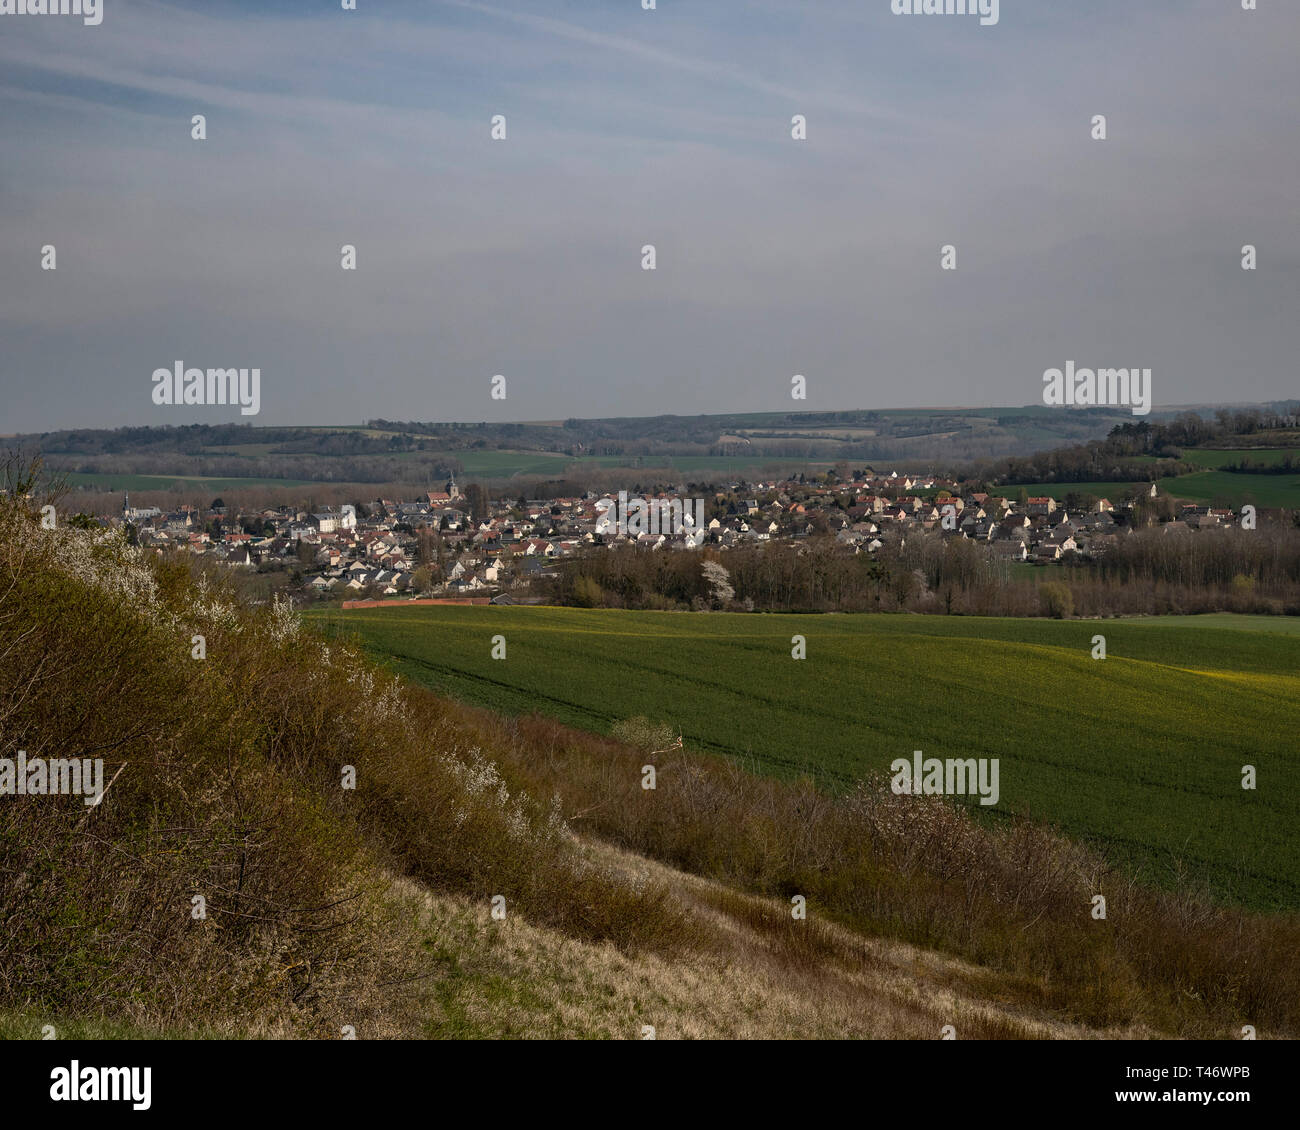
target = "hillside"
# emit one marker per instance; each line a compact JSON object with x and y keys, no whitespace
{"x":228,"y":883}
{"x":229,"y":457}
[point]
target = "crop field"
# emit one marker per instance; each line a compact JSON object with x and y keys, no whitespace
{"x":1236,"y":489}
{"x":1229,"y":487}
{"x":506,"y":464}
{"x":1110,"y":490}
{"x":1214,"y":458}
{"x":1140,"y":753}
{"x":114,"y":482}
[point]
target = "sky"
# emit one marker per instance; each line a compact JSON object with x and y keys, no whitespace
{"x":626,"y":127}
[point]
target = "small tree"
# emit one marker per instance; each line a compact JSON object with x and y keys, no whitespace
{"x":587,"y":592}
{"x":1056,"y":600}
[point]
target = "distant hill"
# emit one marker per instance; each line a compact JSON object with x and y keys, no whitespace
{"x":386,"y":451}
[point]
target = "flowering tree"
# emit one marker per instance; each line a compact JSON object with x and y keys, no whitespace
{"x":719,"y":581}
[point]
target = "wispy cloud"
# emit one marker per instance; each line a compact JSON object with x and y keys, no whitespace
{"x":628,"y":127}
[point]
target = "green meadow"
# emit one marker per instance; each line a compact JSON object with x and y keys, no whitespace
{"x":1108,"y":490}
{"x":1215,"y":458}
{"x":1212,"y":485}
{"x":1236,"y":489}
{"x":1221,"y":487}
{"x":506,"y":464}
{"x":1140,"y":753}
{"x":115,"y":482}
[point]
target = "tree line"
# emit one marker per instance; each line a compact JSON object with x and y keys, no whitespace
{"x":1149,"y":571}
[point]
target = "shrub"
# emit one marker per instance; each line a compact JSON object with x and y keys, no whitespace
{"x":587,"y":592}
{"x":226,"y":777}
{"x":1056,"y":600}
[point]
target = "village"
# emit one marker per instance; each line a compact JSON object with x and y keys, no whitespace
{"x":434,"y":546}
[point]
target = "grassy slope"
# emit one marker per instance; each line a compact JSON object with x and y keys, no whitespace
{"x":1141,"y":752}
{"x":759,"y":976}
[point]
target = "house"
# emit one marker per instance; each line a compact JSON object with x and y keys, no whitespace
{"x":1065,"y":544}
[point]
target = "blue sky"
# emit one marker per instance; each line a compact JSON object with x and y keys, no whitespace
{"x":627,"y":127}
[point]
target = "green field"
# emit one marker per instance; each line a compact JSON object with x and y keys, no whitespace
{"x":1228,"y":487}
{"x":1058,"y":491}
{"x":1215,"y":458}
{"x":505,"y":464}
{"x":114,"y":482}
{"x":485,"y":464}
{"x":1276,"y":625}
{"x":1236,"y":489}
{"x":1140,"y":753}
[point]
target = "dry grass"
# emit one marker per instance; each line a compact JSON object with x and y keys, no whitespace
{"x":759,"y":974}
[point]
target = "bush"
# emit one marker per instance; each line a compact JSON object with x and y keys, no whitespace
{"x":224,"y":782}
{"x":1056,"y":600}
{"x":643,"y":734}
{"x":587,"y":593}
